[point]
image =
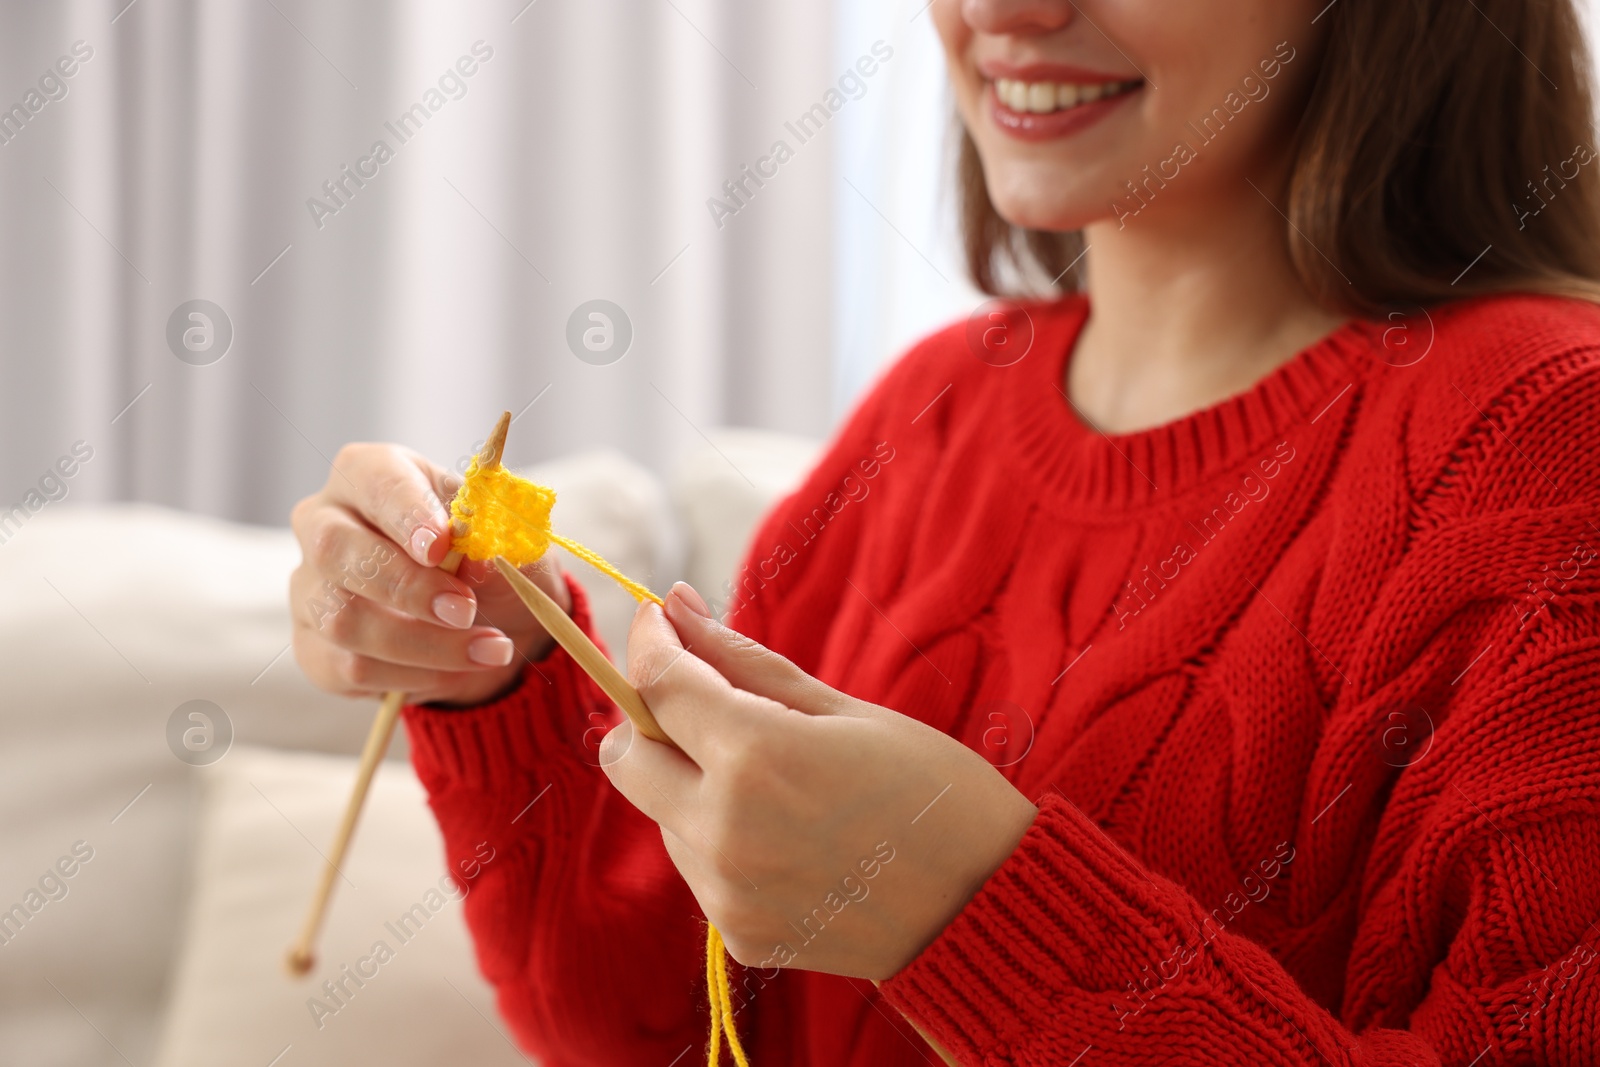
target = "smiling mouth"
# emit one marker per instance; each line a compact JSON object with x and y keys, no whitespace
{"x":1043,"y":98}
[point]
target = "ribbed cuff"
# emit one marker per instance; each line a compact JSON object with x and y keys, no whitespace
{"x":554,"y":718}
{"x":1066,"y":920}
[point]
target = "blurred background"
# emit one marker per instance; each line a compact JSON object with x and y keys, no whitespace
{"x":677,"y":238}
{"x":186,"y":159}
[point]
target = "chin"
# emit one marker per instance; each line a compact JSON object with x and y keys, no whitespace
{"x":1042,"y":202}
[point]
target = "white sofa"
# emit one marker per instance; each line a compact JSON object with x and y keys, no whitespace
{"x":156,"y":896}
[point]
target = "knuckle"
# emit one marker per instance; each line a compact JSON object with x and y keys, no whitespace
{"x":349,"y":454}
{"x":341,"y":625}
{"x":356,"y":670}
{"x":742,"y":757}
{"x":301,"y":512}
{"x":372,"y":565}
{"x":652,"y":672}
{"x":401,"y":582}
{"x":779,"y":668}
{"x":745,"y":648}
{"x":322,"y":600}
{"x":322,"y":541}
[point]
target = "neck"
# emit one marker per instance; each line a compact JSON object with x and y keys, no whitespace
{"x":1188,"y":306}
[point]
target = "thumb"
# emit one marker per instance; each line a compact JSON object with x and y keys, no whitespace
{"x":746,"y":664}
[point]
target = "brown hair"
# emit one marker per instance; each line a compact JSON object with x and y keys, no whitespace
{"x":1433,"y":130}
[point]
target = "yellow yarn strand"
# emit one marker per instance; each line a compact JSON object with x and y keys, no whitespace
{"x":509,"y":516}
{"x":721,"y":995}
{"x":714,"y":957}
{"x":598,"y":562}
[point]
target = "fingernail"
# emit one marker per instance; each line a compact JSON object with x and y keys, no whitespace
{"x":453,"y":609}
{"x":422,"y":539}
{"x":687,"y":594}
{"x":491,"y":651}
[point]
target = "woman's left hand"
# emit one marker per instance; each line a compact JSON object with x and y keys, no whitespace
{"x":816,"y":830}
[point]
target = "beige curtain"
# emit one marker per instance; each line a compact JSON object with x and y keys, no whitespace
{"x":435,"y":282}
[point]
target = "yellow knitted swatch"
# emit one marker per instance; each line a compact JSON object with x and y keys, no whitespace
{"x":509,"y":516}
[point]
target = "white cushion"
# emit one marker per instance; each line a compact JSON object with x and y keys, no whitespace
{"x":721,"y":491}
{"x":610,"y":504}
{"x":233,"y":1003}
{"x":110,"y":619}
{"x":113,"y":617}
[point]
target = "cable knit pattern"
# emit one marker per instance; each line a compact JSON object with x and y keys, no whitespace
{"x":1304,"y":685}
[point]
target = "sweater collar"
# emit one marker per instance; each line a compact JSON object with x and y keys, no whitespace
{"x":1077,"y":464}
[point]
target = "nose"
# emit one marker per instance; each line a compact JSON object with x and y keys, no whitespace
{"x":1016,"y":16}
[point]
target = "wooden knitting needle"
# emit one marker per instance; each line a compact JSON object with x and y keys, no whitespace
{"x":559,"y":625}
{"x":605,"y":674}
{"x":302,"y":955}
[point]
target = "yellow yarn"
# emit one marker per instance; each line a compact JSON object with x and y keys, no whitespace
{"x":509,"y":516}
{"x":721,"y":1001}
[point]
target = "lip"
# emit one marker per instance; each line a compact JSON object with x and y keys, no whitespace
{"x":993,"y":69}
{"x":1032,"y":126}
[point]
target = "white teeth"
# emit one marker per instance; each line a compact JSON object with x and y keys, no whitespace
{"x":1043,"y":97}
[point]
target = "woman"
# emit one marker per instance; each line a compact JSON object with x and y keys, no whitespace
{"x":1197,"y":667}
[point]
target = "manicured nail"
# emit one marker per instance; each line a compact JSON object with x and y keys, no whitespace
{"x":687,"y":594}
{"x":422,"y":539}
{"x":453,"y":609}
{"x":491,"y":651}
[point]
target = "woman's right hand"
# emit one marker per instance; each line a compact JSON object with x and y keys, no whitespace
{"x":372,"y":610}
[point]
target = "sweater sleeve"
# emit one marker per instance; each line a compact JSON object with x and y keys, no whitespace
{"x":588,"y":934}
{"x":1480,"y":949}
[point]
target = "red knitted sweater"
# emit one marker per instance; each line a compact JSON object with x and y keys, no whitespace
{"x":1303,"y":684}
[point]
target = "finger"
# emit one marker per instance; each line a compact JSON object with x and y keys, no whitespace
{"x":657,"y":779}
{"x":350,"y":674}
{"x":495,"y":594}
{"x":351,"y":557}
{"x":398,"y":493}
{"x":499,"y":605}
{"x":694,"y":704}
{"x":746,"y":664}
{"x":369,"y":629}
